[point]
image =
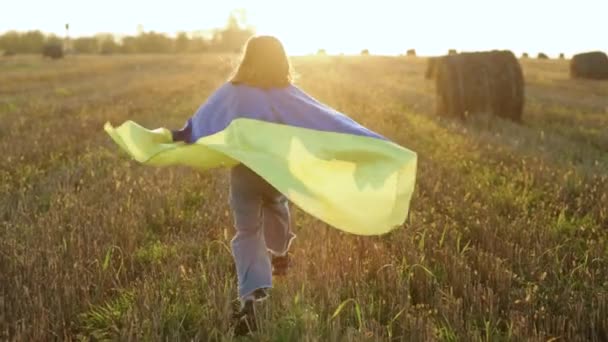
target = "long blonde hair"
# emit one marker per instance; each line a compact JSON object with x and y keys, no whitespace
{"x":264,"y":64}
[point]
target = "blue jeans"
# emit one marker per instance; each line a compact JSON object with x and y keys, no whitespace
{"x":262,"y":222}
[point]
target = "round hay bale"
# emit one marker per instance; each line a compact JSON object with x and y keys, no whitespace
{"x":479,"y":82}
{"x":365,"y":52}
{"x":542,"y":56}
{"x":449,"y":87}
{"x":590,"y":65}
{"x":54,"y":51}
{"x":508,"y":77}
{"x":411,"y":53}
{"x":452,"y":52}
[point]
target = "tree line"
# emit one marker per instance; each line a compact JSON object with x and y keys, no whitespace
{"x":228,"y":39}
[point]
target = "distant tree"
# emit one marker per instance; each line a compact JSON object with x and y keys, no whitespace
{"x":127,"y":45}
{"x":542,"y":55}
{"x":234,"y":35}
{"x":321,"y":52}
{"x":152,"y":42}
{"x":411,"y":53}
{"x":27,"y":42}
{"x":10,"y":41}
{"x":525,"y":55}
{"x":231,"y":38}
{"x":106,"y":43}
{"x":147,"y":42}
{"x":198,"y":44}
{"x":52,"y":39}
{"x":85,"y":45}
{"x":182,"y":42}
{"x":108,"y":47}
{"x":452,"y":52}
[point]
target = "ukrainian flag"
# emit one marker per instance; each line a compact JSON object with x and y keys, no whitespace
{"x":323,"y":161}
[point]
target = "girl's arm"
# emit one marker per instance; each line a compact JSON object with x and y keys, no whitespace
{"x":184,"y":134}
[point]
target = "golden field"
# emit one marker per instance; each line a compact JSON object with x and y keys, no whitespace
{"x":507,"y":238}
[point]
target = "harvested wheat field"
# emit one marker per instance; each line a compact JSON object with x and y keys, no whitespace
{"x":507,"y":238}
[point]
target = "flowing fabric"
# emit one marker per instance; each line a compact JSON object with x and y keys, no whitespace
{"x":323,"y":161}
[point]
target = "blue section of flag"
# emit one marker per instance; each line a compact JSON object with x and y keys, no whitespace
{"x":288,"y":106}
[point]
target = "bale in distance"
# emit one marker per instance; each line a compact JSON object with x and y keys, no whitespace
{"x":411,"y":53}
{"x":479,"y":82}
{"x":365,"y":52}
{"x":321,"y":52}
{"x":589,"y":65}
{"x":452,"y":52}
{"x":525,"y":55}
{"x":54,"y":51}
{"x":542,"y":55}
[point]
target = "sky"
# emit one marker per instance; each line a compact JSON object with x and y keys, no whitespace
{"x":341,"y":26}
